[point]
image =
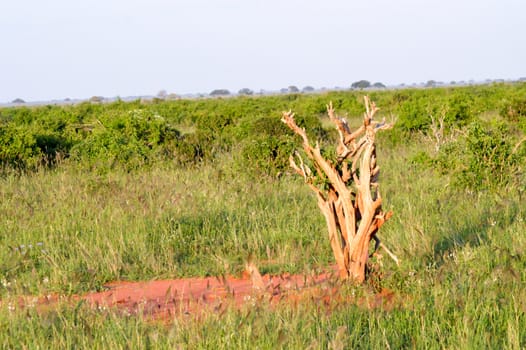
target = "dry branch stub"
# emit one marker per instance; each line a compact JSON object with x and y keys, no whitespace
{"x":346,"y":188}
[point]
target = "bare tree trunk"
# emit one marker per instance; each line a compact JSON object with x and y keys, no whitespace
{"x":350,"y":199}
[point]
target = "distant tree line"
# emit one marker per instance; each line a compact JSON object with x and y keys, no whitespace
{"x":364,"y":84}
{"x":220,"y":92}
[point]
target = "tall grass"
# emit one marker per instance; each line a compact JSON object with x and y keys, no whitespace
{"x":460,"y":284}
{"x":79,"y":230}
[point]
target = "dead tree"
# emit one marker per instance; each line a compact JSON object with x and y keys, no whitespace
{"x":346,"y":188}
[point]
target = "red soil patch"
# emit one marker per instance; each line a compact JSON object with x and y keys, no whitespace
{"x":162,"y":299}
{"x":190,"y":296}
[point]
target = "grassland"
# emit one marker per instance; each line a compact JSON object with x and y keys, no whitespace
{"x":70,"y":228}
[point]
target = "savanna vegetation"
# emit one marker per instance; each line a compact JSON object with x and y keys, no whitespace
{"x":93,"y":193}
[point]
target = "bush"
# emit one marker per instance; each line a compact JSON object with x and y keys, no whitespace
{"x":514,"y":110}
{"x":250,"y":128}
{"x":29,"y":147}
{"x":414,"y":114}
{"x":18,"y":147}
{"x":415,"y":110}
{"x":491,"y":161}
{"x":193,"y":148}
{"x":131,"y":139}
{"x":313,"y":126}
{"x":266,"y":143}
{"x":120,"y":131}
{"x":267,"y":154}
{"x":486,"y":157}
{"x":459,"y":109}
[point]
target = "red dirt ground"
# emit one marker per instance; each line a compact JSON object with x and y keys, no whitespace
{"x":164,"y":299}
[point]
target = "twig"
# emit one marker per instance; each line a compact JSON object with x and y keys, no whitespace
{"x":378,"y":244}
{"x":390,"y":254}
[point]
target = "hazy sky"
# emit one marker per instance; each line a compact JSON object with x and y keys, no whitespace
{"x":54,"y":49}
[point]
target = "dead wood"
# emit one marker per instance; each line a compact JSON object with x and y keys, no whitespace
{"x":350,"y":198}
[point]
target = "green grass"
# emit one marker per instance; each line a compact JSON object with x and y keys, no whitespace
{"x":85,"y":229}
{"x":69,"y":230}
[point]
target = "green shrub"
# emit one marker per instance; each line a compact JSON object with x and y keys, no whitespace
{"x":267,"y":154}
{"x":18,"y":147}
{"x":491,"y":161}
{"x":256,"y":126}
{"x":421,"y":159}
{"x":193,"y":148}
{"x":53,"y":147}
{"x":415,"y":109}
{"x":459,"y":108}
{"x":122,"y":132}
{"x":30,"y":138}
{"x":487,"y":156}
{"x":514,"y":110}
{"x":131,"y":140}
{"x":414,"y":114}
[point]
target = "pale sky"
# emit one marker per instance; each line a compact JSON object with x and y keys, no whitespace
{"x":55,"y":49}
